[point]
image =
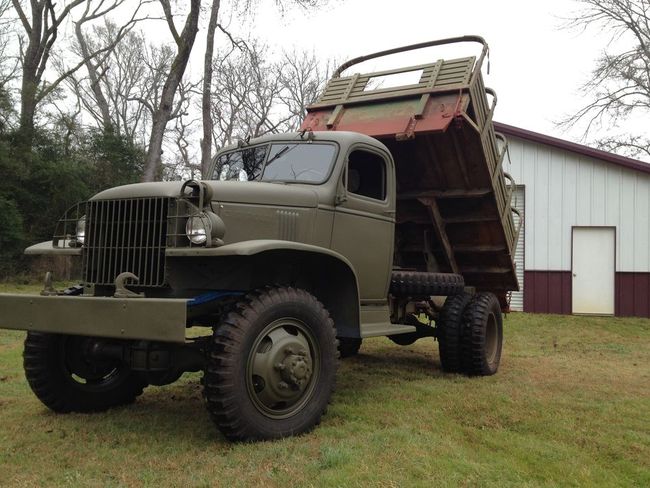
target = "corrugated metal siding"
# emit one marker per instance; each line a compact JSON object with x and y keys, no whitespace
{"x":518,"y":201}
{"x":565,"y":189}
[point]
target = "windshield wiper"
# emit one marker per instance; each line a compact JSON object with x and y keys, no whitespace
{"x":280,"y":153}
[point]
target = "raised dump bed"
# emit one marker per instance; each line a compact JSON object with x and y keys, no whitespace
{"x":453,"y":197}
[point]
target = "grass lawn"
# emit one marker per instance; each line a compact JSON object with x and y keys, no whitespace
{"x":570,"y":406}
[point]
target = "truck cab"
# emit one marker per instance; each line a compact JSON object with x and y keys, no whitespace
{"x":343,"y":186}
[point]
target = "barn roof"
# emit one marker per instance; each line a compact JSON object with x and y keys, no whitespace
{"x":608,"y":157}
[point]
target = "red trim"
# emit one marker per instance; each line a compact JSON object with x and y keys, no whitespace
{"x":547,"y":292}
{"x":629,"y":163}
{"x":550,"y":292}
{"x":632,"y":294}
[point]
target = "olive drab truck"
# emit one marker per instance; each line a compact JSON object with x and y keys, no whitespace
{"x":387,"y":214}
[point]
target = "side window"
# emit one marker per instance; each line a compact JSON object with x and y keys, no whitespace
{"x":367,"y":174}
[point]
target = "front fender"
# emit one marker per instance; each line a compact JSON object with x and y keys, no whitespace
{"x":47,"y":248}
{"x":327,"y":274}
{"x":249,"y":248}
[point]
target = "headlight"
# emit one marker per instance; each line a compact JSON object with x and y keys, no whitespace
{"x":198,"y":229}
{"x":81,"y":230}
{"x":206,"y":228}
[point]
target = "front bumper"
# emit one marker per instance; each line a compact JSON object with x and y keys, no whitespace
{"x":154,"y":319}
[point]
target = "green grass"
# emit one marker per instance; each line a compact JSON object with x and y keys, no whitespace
{"x":570,"y":406}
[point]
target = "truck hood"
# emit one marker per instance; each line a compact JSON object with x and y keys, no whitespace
{"x":252,"y":192}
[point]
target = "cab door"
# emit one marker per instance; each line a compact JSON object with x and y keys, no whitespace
{"x":364,"y":220}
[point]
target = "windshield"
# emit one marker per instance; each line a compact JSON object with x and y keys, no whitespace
{"x":284,"y":162}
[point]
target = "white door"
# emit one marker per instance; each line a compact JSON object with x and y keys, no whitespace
{"x":593,"y":270}
{"x":517,"y":297}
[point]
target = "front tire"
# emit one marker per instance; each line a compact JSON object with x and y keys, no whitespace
{"x":66,"y":379}
{"x":271,"y":367}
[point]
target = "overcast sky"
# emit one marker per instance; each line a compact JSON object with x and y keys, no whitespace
{"x":536,"y":66}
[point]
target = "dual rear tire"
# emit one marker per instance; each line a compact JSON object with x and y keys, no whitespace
{"x":470,"y":334}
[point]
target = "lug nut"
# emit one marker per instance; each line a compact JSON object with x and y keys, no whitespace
{"x":279,"y":366}
{"x":282,"y":385}
{"x":288,"y":350}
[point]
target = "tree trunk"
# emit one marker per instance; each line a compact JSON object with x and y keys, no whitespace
{"x":100,"y":99}
{"x":30,"y":79}
{"x":161,"y":116}
{"x":206,"y":142}
{"x":27,"y":108}
{"x":153,"y":161}
{"x":42,"y":34}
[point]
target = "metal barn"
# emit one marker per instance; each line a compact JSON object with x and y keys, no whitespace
{"x":585,"y":247}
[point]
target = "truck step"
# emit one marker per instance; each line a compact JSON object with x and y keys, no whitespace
{"x":378,"y":330}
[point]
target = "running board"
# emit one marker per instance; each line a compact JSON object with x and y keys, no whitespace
{"x":380,"y":329}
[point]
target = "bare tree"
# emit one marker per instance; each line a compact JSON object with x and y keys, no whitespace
{"x":96,"y":65}
{"x":229,"y":93}
{"x":302,"y":77}
{"x":619,"y":86}
{"x":162,"y":114}
{"x":253,"y":96}
{"x":208,"y":124}
{"x":41,"y":32}
{"x":261,"y":90}
{"x":9,"y":65}
{"x":185,"y":162}
{"x":8,"y":62}
{"x":111,"y":96}
{"x":244,"y":93}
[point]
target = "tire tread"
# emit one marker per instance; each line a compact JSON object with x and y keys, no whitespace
{"x":219,"y":383}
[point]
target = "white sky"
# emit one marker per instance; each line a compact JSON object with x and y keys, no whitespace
{"x":535,"y":66}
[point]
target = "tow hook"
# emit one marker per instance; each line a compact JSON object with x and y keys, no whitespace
{"x":120,"y":288}
{"x":48,"y":289}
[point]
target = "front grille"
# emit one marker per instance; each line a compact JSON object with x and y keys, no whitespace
{"x":126,"y":235}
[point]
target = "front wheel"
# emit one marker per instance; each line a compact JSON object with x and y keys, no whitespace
{"x":271,"y":366}
{"x":66,"y":378}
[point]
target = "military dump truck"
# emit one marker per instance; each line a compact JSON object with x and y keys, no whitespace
{"x":387,"y":214}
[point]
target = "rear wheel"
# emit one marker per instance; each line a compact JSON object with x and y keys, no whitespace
{"x":449,"y":327}
{"x":482,"y":335}
{"x":271,"y":367}
{"x":66,"y":378}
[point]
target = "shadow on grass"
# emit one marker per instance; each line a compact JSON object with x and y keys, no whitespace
{"x":176,"y":413}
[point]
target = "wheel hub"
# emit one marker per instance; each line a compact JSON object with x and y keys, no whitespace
{"x":296,"y":369}
{"x":281,"y":368}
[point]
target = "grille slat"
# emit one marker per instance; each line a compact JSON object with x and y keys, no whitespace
{"x":126,"y":235}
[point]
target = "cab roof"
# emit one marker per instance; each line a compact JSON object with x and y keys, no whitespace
{"x":343,"y":138}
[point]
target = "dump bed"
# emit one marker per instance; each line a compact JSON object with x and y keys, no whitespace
{"x":453,"y":197}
